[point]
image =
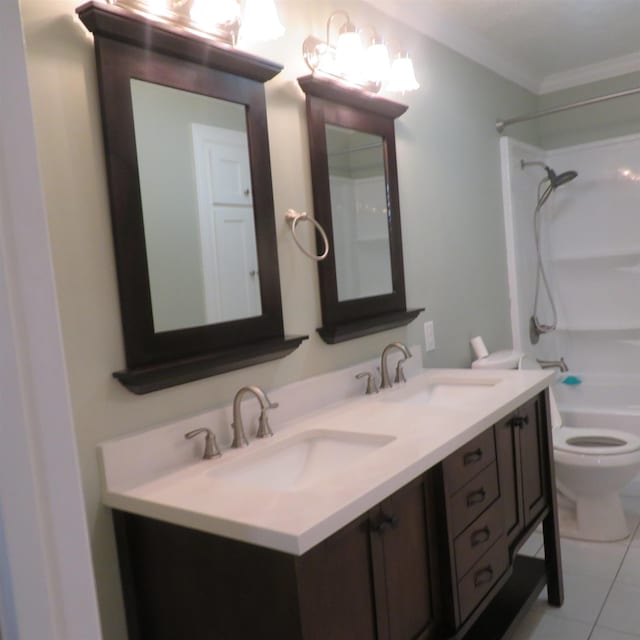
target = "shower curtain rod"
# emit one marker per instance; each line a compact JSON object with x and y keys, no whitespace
{"x":501,"y":124}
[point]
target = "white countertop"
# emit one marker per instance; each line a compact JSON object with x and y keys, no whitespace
{"x":195,"y":494}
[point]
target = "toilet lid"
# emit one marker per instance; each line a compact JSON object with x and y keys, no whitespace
{"x":594,"y":442}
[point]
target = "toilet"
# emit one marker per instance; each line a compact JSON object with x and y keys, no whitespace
{"x":592,"y":466}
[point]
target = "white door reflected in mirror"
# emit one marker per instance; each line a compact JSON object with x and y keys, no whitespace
{"x":227,"y":231}
{"x":197,"y":204}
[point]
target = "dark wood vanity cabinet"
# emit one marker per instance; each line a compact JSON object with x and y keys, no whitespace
{"x":493,"y":493}
{"x":373,"y":579}
{"x":520,"y":450}
{"x":376,"y":577}
{"x":437,"y":559}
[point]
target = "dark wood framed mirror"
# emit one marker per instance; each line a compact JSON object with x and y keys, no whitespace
{"x":187,"y":154}
{"x":356,"y":200}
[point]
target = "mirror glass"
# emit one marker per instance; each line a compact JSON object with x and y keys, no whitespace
{"x":197,"y":206}
{"x":359,"y":212}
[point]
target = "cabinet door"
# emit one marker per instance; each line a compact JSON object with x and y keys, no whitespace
{"x":534,"y":490}
{"x":335,"y":582}
{"x":509,"y":471}
{"x":401,"y":542}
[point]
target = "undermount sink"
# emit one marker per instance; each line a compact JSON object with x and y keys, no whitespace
{"x":445,"y":390}
{"x":302,"y":460}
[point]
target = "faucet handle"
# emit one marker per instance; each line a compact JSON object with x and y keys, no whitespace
{"x":400,"y":372}
{"x":211,"y":449}
{"x":264,"y":429}
{"x":372,"y":387}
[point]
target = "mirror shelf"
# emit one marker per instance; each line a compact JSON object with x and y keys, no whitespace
{"x":147,"y":379}
{"x":350,"y":96}
{"x":342,"y":332}
{"x":187,"y":155}
{"x":114,"y":22}
{"x":356,"y":200}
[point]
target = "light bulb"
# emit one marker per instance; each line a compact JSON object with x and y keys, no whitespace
{"x":209,"y":14}
{"x":402,"y":78}
{"x":157,"y":6}
{"x":260,"y":21}
{"x":349,"y":53}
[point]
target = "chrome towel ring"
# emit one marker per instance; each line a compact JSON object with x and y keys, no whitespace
{"x":293,"y":217}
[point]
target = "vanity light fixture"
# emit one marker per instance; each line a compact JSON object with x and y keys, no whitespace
{"x":260,"y":21}
{"x":223,"y":20}
{"x":402,"y":75}
{"x":359,"y":57}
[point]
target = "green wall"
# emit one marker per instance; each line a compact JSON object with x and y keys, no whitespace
{"x":609,"y":119}
{"x":452,"y":224}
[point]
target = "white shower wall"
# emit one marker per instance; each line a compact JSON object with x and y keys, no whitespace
{"x":591,"y":250}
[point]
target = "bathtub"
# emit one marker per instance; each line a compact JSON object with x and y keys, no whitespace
{"x":602,"y":400}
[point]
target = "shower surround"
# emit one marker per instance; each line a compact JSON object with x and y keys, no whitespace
{"x":590,"y":239}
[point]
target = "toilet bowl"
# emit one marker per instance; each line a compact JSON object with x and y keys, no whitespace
{"x":592,"y":466}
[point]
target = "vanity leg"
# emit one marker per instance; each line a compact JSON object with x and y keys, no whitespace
{"x":555,"y":587}
{"x":550,"y":530}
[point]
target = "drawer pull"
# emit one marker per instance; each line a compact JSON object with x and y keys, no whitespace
{"x":484,"y":576}
{"x":480,"y":536}
{"x":472,"y":457}
{"x":476,"y":497}
{"x":386,"y":522}
{"x":519,"y":421}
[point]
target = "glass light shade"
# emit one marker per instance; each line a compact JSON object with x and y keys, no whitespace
{"x":402,"y":78}
{"x":208,"y":14}
{"x":260,"y":21}
{"x":157,"y":6}
{"x":349,"y":54}
{"x":377,"y":65}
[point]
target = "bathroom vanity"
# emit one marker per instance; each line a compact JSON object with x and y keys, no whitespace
{"x":413,"y":533}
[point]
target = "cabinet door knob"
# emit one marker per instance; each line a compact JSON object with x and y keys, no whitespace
{"x":519,"y":421}
{"x":480,"y":536}
{"x":386,"y":522}
{"x":484,"y":576}
{"x":476,"y":497}
{"x":472,"y":457}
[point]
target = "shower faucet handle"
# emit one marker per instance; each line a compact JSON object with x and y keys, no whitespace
{"x":550,"y":364}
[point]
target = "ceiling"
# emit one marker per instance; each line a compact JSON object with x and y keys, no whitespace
{"x":543,"y":45}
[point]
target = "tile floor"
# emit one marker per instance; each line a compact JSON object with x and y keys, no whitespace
{"x":602,"y":589}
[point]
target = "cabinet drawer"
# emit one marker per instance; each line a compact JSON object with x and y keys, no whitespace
{"x":478,"y":537}
{"x":462,"y":465}
{"x":470,"y":501}
{"x":484,"y":574}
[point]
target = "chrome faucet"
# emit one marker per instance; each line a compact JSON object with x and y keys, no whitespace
{"x":385,"y":380}
{"x":549,"y":364}
{"x":264,"y":430}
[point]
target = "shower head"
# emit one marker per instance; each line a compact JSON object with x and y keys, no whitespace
{"x":555,"y":180}
{"x":558,"y":180}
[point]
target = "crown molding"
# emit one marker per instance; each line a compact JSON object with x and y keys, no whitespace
{"x":479,"y":49}
{"x":590,"y":73}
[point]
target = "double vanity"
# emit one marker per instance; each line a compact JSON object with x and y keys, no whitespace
{"x":393,"y":515}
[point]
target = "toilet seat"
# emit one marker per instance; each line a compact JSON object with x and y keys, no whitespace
{"x":594,"y":442}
